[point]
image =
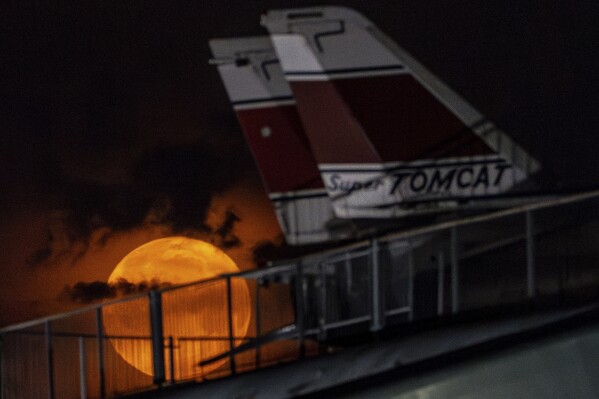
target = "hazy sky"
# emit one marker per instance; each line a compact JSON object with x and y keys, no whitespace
{"x":115,"y":130}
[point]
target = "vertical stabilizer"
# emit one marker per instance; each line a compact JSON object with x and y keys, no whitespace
{"x":389,"y":137}
{"x":266,"y":111}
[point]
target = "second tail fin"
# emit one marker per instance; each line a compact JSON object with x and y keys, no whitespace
{"x":266,"y":112}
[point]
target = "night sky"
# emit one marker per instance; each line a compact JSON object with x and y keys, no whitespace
{"x":115,"y":130}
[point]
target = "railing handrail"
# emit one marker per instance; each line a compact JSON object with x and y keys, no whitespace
{"x":288,"y":264}
{"x":521,"y":209}
{"x":418,"y":231}
{"x":93,"y":307}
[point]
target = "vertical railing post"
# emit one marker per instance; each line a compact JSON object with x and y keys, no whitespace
{"x":157,"y":337}
{"x":2,"y":378}
{"x":50,"y":363}
{"x":300,"y":314}
{"x":230,"y":322}
{"x":530,"y":256}
{"x":258,"y":314}
{"x":377,"y":320}
{"x":322,"y":311}
{"x":100,"y":331}
{"x":349,"y":281}
{"x":171,"y":359}
{"x":455,"y":270}
{"x":440,"y":282}
{"x":82,"y":369}
{"x":411,"y":281}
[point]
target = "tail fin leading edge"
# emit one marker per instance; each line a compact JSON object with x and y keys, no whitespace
{"x":267,"y":114}
{"x":389,"y":137}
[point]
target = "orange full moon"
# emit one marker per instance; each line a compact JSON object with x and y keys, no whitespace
{"x":195,"y":316}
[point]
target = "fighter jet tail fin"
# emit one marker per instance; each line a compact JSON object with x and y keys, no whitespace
{"x":389,"y":137}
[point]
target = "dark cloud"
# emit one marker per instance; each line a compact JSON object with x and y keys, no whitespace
{"x":171,"y":185}
{"x":223,"y":235}
{"x":186,"y":177}
{"x":89,"y":206}
{"x":42,"y":254}
{"x":86,"y":292}
{"x":266,"y":251}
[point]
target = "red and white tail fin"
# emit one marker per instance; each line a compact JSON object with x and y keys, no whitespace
{"x":389,"y":137}
{"x":266,"y":111}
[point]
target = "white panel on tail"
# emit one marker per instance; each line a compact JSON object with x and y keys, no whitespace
{"x":297,"y":53}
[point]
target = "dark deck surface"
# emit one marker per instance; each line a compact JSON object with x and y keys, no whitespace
{"x":506,"y":357}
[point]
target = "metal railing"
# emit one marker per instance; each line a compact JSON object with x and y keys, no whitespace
{"x":546,"y":251}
